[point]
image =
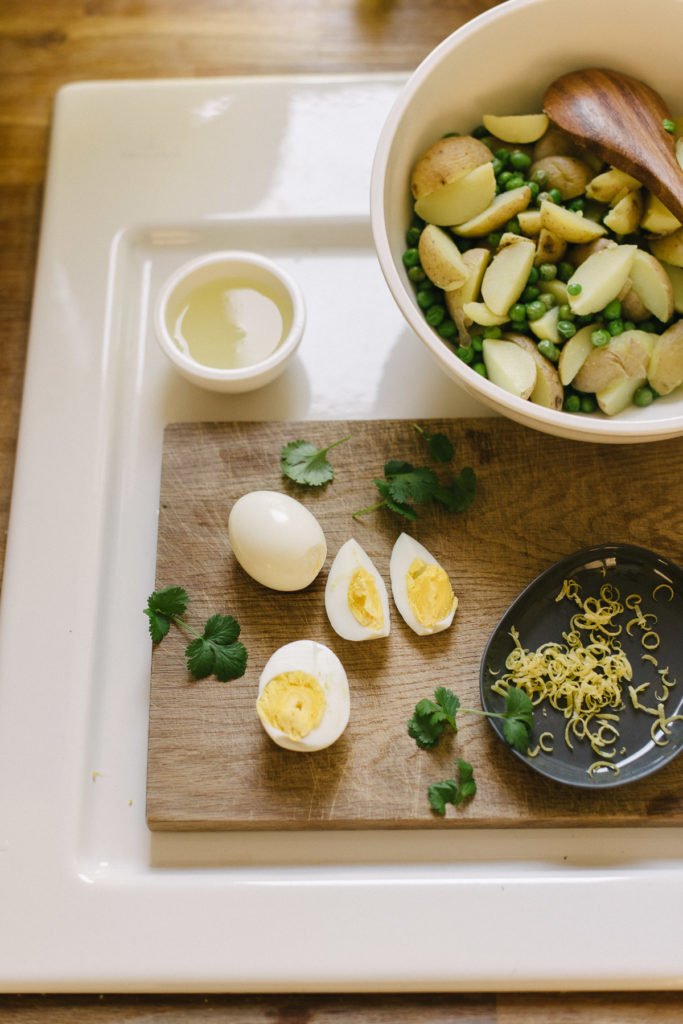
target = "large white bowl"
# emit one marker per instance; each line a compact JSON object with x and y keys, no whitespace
{"x":502,"y":62}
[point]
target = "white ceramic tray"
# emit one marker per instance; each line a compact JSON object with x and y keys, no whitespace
{"x":142,"y":176}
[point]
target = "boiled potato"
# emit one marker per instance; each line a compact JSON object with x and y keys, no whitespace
{"x":479,"y":313}
{"x":665,"y":370}
{"x":631,"y":306}
{"x":506,"y":276}
{"x":600,"y":278}
{"x":548,"y":390}
{"x":624,"y":217}
{"x":516,"y":127}
{"x":575,"y":353}
{"x":626,"y":355}
{"x":610,"y":186}
{"x":441,"y":259}
{"x":657,"y":219}
{"x":565,"y":173}
{"x":569,"y":224}
{"x":669,"y":249}
{"x":476,"y":261}
{"x":545,"y":327}
{"x":446,"y":161}
{"x":550,"y":248}
{"x":652,"y":285}
{"x":503,"y":208}
{"x":459,"y":200}
{"x":555,"y":142}
{"x":530,"y":222}
{"x":675,"y":275}
{"x":556,"y":288}
{"x":509,"y":366}
{"x":618,"y":395}
{"x":578,"y":254}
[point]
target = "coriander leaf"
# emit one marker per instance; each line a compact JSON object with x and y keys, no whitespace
{"x":431,"y":717}
{"x":222,"y":629}
{"x":518,"y":703}
{"x":231,"y":662}
{"x":442,"y":793}
{"x":449,"y":704}
{"x":201,"y":657}
{"x":439,"y":446}
{"x":458,"y":492}
{"x":162,"y":606}
{"x":414,"y":485}
{"x":395,"y":466}
{"x":217,"y":652}
{"x":517,"y":733}
{"x":305,"y":464}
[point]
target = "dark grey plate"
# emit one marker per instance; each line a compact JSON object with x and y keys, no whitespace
{"x":539,"y":619}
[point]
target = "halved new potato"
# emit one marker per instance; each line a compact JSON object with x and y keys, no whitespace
{"x":651,"y":283}
{"x":669,"y":249}
{"x":626,"y":355}
{"x":610,"y":186}
{"x":479,"y":313}
{"x":675,"y":275}
{"x":665,"y":370}
{"x":624,"y":217}
{"x":509,"y":366}
{"x":503,"y":208}
{"x":600,"y":278}
{"x":529,"y":222}
{"x":569,"y":224}
{"x":579,"y":253}
{"x":575,"y":353}
{"x":565,"y":173}
{"x":548,"y":390}
{"x":441,"y":259}
{"x":506,"y":276}
{"x":657,"y":219}
{"x":447,"y":160}
{"x":516,"y":127}
{"x":459,"y":200}
{"x":476,"y":261}
{"x":550,"y":248}
{"x":545,"y":327}
{"x":618,"y":395}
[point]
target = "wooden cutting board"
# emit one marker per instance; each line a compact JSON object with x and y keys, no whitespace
{"x":210,"y":764}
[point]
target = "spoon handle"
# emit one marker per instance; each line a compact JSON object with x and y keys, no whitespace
{"x":620,"y":119}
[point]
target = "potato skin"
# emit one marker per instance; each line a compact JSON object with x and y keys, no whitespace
{"x":665,"y":372}
{"x":446,"y":160}
{"x":565,"y":173}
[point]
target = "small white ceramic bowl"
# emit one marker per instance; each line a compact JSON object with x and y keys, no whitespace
{"x":502,"y":62}
{"x":238,"y":268}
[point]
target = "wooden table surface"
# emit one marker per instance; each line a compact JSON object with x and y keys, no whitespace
{"x":46,"y":43}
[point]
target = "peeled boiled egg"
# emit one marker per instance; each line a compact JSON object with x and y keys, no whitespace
{"x":356,"y":599}
{"x":420,"y":587}
{"x":303,"y":701}
{"x":276,"y":540}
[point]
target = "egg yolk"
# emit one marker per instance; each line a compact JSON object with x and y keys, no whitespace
{"x":430,"y":593}
{"x":292,"y":702}
{"x":364,"y":600}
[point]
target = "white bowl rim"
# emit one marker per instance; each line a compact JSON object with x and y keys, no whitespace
{"x":231,"y":258}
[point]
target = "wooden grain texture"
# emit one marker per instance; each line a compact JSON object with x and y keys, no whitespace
{"x":210,"y":765}
{"x":549,"y":1008}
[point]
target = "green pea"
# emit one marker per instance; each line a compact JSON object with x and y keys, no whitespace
{"x":548,"y":300}
{"x":480,"y":369}
{"x":447,"y":330}
{"x":572,"y":403}
{"x":574,"y":289}
{"x":668,"y":125}
{"x":517,"y":312}
{"x":588,"y":404}
{"x":564,"y":271}
{"x":465,"y":352}
{"x":425,"y":297}
{"x":539,"y":177}
{"x":576,"y":204}
{"x":530,"y":293}
{"x":615,"y":327}
{"x":497,"y":165}
{"x":478,"y":342}
{"x":413,"y":235}
{"x":494,"y":239}
{"x":493,"y":332}
{"x":519,"y":160}
{"x":480,"y":132}
{"x":565,"y":312}
{"x":600,"y":338}
{"x":417,"y":275}
{"x":547,"y":271}
{"x":612,"y":310}
{"x":534,"y":188}
{"x":503,"y":155}
{"x":411,"y":257}
{"x":554,"y":195}
{"x":548,"y":349}
{"x":533,"y":276}
{"x":513,"y":225}
{"x":566,"y":329}
{"x":435,"y":315}
{"x":643,"y":396}
{"x":504,"y":177}
{"x":516,"y":181}
{"x":629,"y":325}
{"x":535,"y":310}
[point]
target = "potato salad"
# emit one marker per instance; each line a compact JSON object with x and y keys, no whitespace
{"x":554,"y":275}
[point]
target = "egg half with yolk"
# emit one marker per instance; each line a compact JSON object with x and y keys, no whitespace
{"x":303,"y":700}
{"x":356,"y":598}
{"x":420,"y":587}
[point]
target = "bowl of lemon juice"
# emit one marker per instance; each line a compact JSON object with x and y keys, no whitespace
{"x":230,"y":321}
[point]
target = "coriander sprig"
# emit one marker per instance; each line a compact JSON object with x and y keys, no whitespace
{"x":433,"y":717}
{"x":405,"y":485}
{"x":453,"y":791}
{"x":216,"y":651}
{"x":307,"y":465}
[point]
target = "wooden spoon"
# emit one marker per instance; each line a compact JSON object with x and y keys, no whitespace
{"x":620,"y":119}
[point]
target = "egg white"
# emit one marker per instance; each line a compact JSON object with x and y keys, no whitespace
{"x":276,"y":540}
{"x":405,"y":551}
{"x":323,"y":664}
{"x":348,"y":559}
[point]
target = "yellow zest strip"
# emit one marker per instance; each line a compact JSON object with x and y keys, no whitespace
{"x":600,"y":765}
{"x":651,"y":657}
{"x":664,"y":586}
{"x":653,"y":643}
{"x":545,"y":742}
{"x":535,"y":752}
